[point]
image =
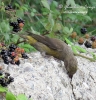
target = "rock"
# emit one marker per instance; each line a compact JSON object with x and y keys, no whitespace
{"x":43,"y":78}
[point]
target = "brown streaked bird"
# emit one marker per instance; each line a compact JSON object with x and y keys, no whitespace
{"x":55,"y":48}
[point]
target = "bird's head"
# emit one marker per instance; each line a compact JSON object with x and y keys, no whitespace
{"x":29,"y":39}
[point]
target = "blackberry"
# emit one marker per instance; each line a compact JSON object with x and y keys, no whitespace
{"x":24,"y":56}
{"x":4,"y":57}
{"x":12,"y":62}
{"x":19,"y":20}
{"x":16,"y":29}
{"x":88,"y":44}
{"x":8,"y":82}
{"x":6,"y":8}
{"x":2,"y":80}
{"x":83,"y":30}
{"x":11,"y":79}
{"x":4,"y":84}
{"x":17,"y":62}
{"x":11,"y":23}
{"x":1,"y":73}
{"x":7,"y":74}
{"x":12,"y":46}
{"x":3,"y":52}
{"x":93,"y":38}
{"x":6,"y":61}
{"x":10,"y":6}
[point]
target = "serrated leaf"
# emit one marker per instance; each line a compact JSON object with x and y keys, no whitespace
{"x":45,"y":4}
{"x":22,"y":97}
{"x":80,"y":49}
{"x":68,"y":41}
{"x":10,"y":96}
{"x":3,"y":89}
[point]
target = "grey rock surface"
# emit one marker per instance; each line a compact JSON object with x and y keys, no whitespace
{"x":44,"y":79}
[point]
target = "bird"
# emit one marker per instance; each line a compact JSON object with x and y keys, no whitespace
{"x":54,"y":47}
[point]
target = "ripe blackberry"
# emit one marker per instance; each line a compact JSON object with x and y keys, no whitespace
{"x":16,"y":29}
{"x":1,"y":73}
{"x":24,"y":56}
{"x":12,"y":62}
{"x":3,"y":52}
{"x":11,"y":79}
{"x":7,"y":74}
{"x":83,"y":30}
{"x":4,"y":57}
{"x":4,"y":84}
{"x":8,"y":7}
{"x":88,"y":44}
{"x":12,"y":46}
{"x":93,"y":38}
{"x":19,"y":20}
{"x":11,"y":23}
{"x":6,"y":61}
{"x":17,"y":62}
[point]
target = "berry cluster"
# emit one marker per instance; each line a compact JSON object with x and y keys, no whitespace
{"x":90,"y":41}
{"x":17,"y":26}
{"x":8,"y":7}
{"x":12,"y":54}
{"x":5,"y":79}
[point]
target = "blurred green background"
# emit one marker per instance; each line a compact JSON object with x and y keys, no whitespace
{"x":56,"y":18}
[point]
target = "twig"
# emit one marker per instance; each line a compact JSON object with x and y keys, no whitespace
{"x":91,"y":59}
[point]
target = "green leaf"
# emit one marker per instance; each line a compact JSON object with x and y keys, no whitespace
{"x":6,"y":36}
{"x":26,"y":46}
{"x":20,"y":13}
{"x":51,"y":20}
{"x":94,"y":55}
{"x":4,"y":26}
{"x":45,"y":4}
{"x":68,"y":41}
{"x":80,"y":49}
{"x":34,"y":10}
{"x":3,"y":89}
{"x":32,"y":14}
{"x":22,"y":97}
{"x":71,"y":30}
{"x":66,"y":30}
{"x":74,"y":49}
{"x":10,"y":96}
{"x":70,"y":2}
{"x":57,"y":27}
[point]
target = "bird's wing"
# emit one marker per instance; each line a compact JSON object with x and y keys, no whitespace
{"x":52,"y":43}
